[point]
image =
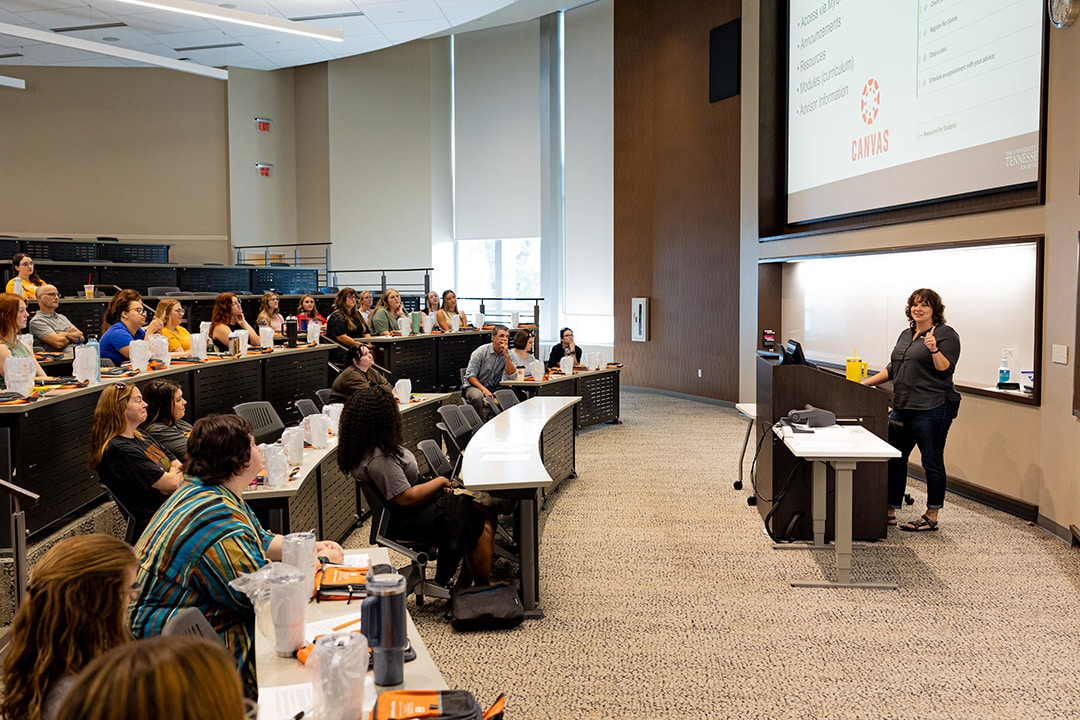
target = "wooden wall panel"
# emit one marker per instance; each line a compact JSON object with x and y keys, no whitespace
{"x":676,"y":199}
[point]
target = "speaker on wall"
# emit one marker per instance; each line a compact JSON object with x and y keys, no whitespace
{"x":724,"y":60}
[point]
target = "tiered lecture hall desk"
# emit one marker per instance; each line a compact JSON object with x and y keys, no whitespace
{"x":319,"y":495}
{"x":598,"y":390}
{"x":285,"y":683}
{"x":431,"y":361}
{"x":49,"y":439}
{"x":519,"y":453}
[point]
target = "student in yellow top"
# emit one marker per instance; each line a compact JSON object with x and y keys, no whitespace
{"x":22,"y":267}
{"x":171,"y":314}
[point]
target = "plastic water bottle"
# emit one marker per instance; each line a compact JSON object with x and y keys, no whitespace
{"x":92,"y":342}
{"x":1003,"y":370}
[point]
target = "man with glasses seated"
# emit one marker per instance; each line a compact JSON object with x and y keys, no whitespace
{"x":50,"y":328}
{"x":488,"y":366}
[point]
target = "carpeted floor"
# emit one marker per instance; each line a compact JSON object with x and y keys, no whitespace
{"x":664,"y":600}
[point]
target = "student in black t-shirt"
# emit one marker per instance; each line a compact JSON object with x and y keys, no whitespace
{"x":345,"y":325}
{"x":136,"y":470}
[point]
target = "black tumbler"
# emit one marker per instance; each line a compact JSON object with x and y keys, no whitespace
{"x":290,"y":331}
{"x":383,"y":620}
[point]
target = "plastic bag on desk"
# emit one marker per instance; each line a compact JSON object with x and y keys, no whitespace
{"x":277,"y":465}
{"x":139,"y":354}
{"x":601,"y":360}
{"x":478,"y":320}
{"x":292,"y":442}
{"x":567,"y":364}
{"x":86,"y":360}
{"x":405,"y":325}
{"x":340,"y":663}
{"x":314,"y":327}
{"x":536,"y":369}
{"x":427,"y":323}
{"x":317,"y":427}
{"x":245,"y":340}
{"x":19,"y":375}
{"x":159,"y":348}
{"x":256,"y":586}
{"x":455,"y":322}
{"x":333,"y":411}
{"x":198,"y":346}
{"x":403,"y":390}
{"x":266,"y":336}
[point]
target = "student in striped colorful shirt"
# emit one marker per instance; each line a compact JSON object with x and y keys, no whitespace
{"x":204,"y":536}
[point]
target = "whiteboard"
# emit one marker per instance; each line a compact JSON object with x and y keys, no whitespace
{"x":838,"y":305}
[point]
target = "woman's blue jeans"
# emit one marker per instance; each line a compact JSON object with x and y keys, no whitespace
{"x":928,"y":430}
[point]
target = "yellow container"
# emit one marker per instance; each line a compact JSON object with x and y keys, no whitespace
{"x":856,"y":368}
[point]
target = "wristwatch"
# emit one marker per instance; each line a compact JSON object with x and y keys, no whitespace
{"x":1062,"y":12}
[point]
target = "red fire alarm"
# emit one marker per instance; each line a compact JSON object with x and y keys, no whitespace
{"x":264,"y":169}
{"x":262,"y":124}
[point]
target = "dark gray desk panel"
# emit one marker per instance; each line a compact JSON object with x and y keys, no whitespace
{"x":289,"y":378}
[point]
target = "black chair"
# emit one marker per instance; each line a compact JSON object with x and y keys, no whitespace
{"x":306,"y":407}
{"x":436,"y":459}
{"x":492,"y":406}
{"x":161,"y":290}
{"x":472,"y":417}
{"x":456,"y":431}
{"x":263,"y":418}
{"x":129,"y":517}
{"x":507,"y":398}
{"x":419,"y":553}
{"x":324,"y":395}
{"x":190,"y":621}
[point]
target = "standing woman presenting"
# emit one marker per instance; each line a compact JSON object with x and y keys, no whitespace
{"x":925,"y":402}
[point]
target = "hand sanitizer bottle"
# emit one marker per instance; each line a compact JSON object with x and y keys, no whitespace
{"x":1003,"y":370}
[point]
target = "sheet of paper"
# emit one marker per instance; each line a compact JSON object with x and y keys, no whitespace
{"x":322,"y":627}
{"x":356,"y":560}
{"x":285,"y":701}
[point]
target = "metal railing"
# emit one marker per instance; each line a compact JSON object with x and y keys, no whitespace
{"x":300,"y":258}
{"x":504,"y":313}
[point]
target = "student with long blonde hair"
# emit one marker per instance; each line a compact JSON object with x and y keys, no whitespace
{"x":179,"y":678}
{"x":75,"y":611}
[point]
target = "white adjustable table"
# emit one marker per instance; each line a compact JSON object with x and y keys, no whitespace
{"x":843,"y":447}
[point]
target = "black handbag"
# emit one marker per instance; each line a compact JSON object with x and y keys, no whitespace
{"x":486,"y":607}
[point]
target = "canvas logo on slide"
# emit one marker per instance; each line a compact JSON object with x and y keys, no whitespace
{"x":871,"y":101}
{"x":875,"y":142}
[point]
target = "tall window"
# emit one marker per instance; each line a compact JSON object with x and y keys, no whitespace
{"x":498,"y":268}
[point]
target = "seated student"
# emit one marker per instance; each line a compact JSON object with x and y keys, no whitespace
{"x":359,"y":373}
{"x":165,"y":406}
{"x":13,"y":317}
{"x":171,"y":314}
{"x":22,"y":268}
{"x":306,"y":312}
{"x":370,"y":449}
{"x":227,"y":317}
{"x":138,"y":471}
{"x":489,"y":365}
{"x":345,"y":326}
{"x":366,"y":306}
{"x":50,"y":328}
{"x":564,"y":348}
{"x":129,"y":316}
{"x":432,"y":305}
{"x":180,"y":678}
{"x":75,"y":610}
{"x":521,"y":353}
{"x":448,"y":310}
{"x":384,"y":321}
{"x":206,"y":535}
{"x":269,"y":314}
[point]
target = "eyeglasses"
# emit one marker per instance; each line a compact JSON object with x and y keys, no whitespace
{"x":134,"y":591}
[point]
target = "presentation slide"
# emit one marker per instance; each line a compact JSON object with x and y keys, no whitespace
{"x":893,"y":103}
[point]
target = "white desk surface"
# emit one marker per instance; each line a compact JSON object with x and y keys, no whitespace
{"x":313,"y":457}
{"x":274,"y":671}
{"x":747,"y":409}
{"x":504,"y":454}
{"x":557,"y":378}
{"x":837,"y":442}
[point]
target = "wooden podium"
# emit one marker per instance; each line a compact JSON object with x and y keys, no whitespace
{"x":781,"y":388}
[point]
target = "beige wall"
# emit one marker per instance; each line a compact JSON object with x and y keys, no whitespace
{"x":262,"y":209}
{"x":134,"y":153}
{"x":312,"y":155}
{"x":1026,"y":453}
